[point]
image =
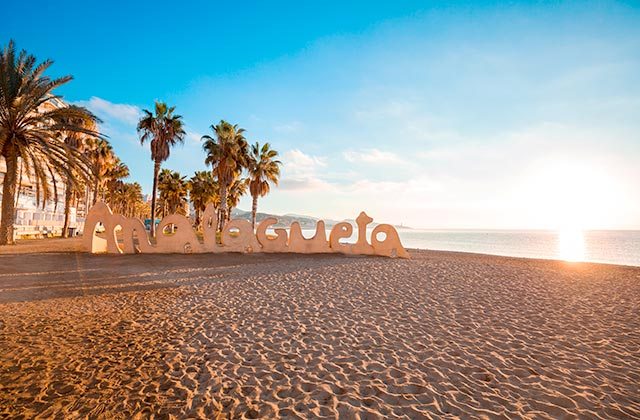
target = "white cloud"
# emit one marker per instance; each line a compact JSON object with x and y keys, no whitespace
{"x":193,"y":135}
{"x":371,"y":156}
{"x":304,"y":184}
{"x":125,"y":113}
{"x":297,"y":163}
{"x":300,"y":171}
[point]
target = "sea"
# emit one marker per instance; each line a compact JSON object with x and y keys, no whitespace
{"x":601,"y":246}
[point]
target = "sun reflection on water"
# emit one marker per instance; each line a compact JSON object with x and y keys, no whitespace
{"x":571,"y":245}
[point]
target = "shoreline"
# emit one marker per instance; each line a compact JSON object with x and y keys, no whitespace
{"x":540,"y":259}
{"x":74,"y":245}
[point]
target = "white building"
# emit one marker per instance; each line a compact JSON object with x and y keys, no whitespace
{"x":33,"y":220}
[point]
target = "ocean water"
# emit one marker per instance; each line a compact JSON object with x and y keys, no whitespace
{"x":603,"y":246}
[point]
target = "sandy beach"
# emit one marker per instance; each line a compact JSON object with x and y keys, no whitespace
{"x":326,"y":336}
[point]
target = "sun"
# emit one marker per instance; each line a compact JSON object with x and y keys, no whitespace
{"x":571,"y":245}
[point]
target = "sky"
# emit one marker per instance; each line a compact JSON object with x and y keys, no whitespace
{"x":483,"y":115}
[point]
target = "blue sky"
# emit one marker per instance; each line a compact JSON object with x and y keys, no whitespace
{"x":464,"y":115}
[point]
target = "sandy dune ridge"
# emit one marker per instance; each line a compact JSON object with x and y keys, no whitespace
{"x":248,"y":336}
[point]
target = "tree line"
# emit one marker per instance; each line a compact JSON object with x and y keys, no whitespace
{"x":54,"y":142}
{"x":229,"y":155}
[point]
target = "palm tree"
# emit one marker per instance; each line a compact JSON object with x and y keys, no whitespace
{"x":237,"y":189}
{"x":126,"y":198}
{"x":203,"y":189}
{"x":263,"y":168}
{"x":133,"y":198}
{"x":227,"y":155}
{"x":141,"y":209}
{"x":173,"y":190}
{"x":31,"y":118}
{"x":164,"y":185}
{"x":101,"y":156}
{"x":115,"y":172}
{"x":164,"y":130}
{"x":74,"y":141}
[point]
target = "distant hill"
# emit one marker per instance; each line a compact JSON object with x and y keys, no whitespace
{"x":306,"y":222}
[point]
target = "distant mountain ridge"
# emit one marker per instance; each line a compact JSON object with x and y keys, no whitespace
{"x":284,"y":221}
{"x":306,"y":222}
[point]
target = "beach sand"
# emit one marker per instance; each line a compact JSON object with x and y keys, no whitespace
{"x":315,"y":336}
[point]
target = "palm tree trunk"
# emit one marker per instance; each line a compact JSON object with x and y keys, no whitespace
{"x":156,"y":171}
{"x":95,"y":190}
{"x":254,"y":211}
{"x":111,"y":197}
{"x":197,"y":211}
{"x":8,"y":197}
{"x":19,"y":184}
{"x":68,"y":193}
{"x":223,"y":205}
{"x":86,"y":199}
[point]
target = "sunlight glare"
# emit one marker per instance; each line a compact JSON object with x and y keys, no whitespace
{"x":563,"y":194}
{"x":571,"y":245}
